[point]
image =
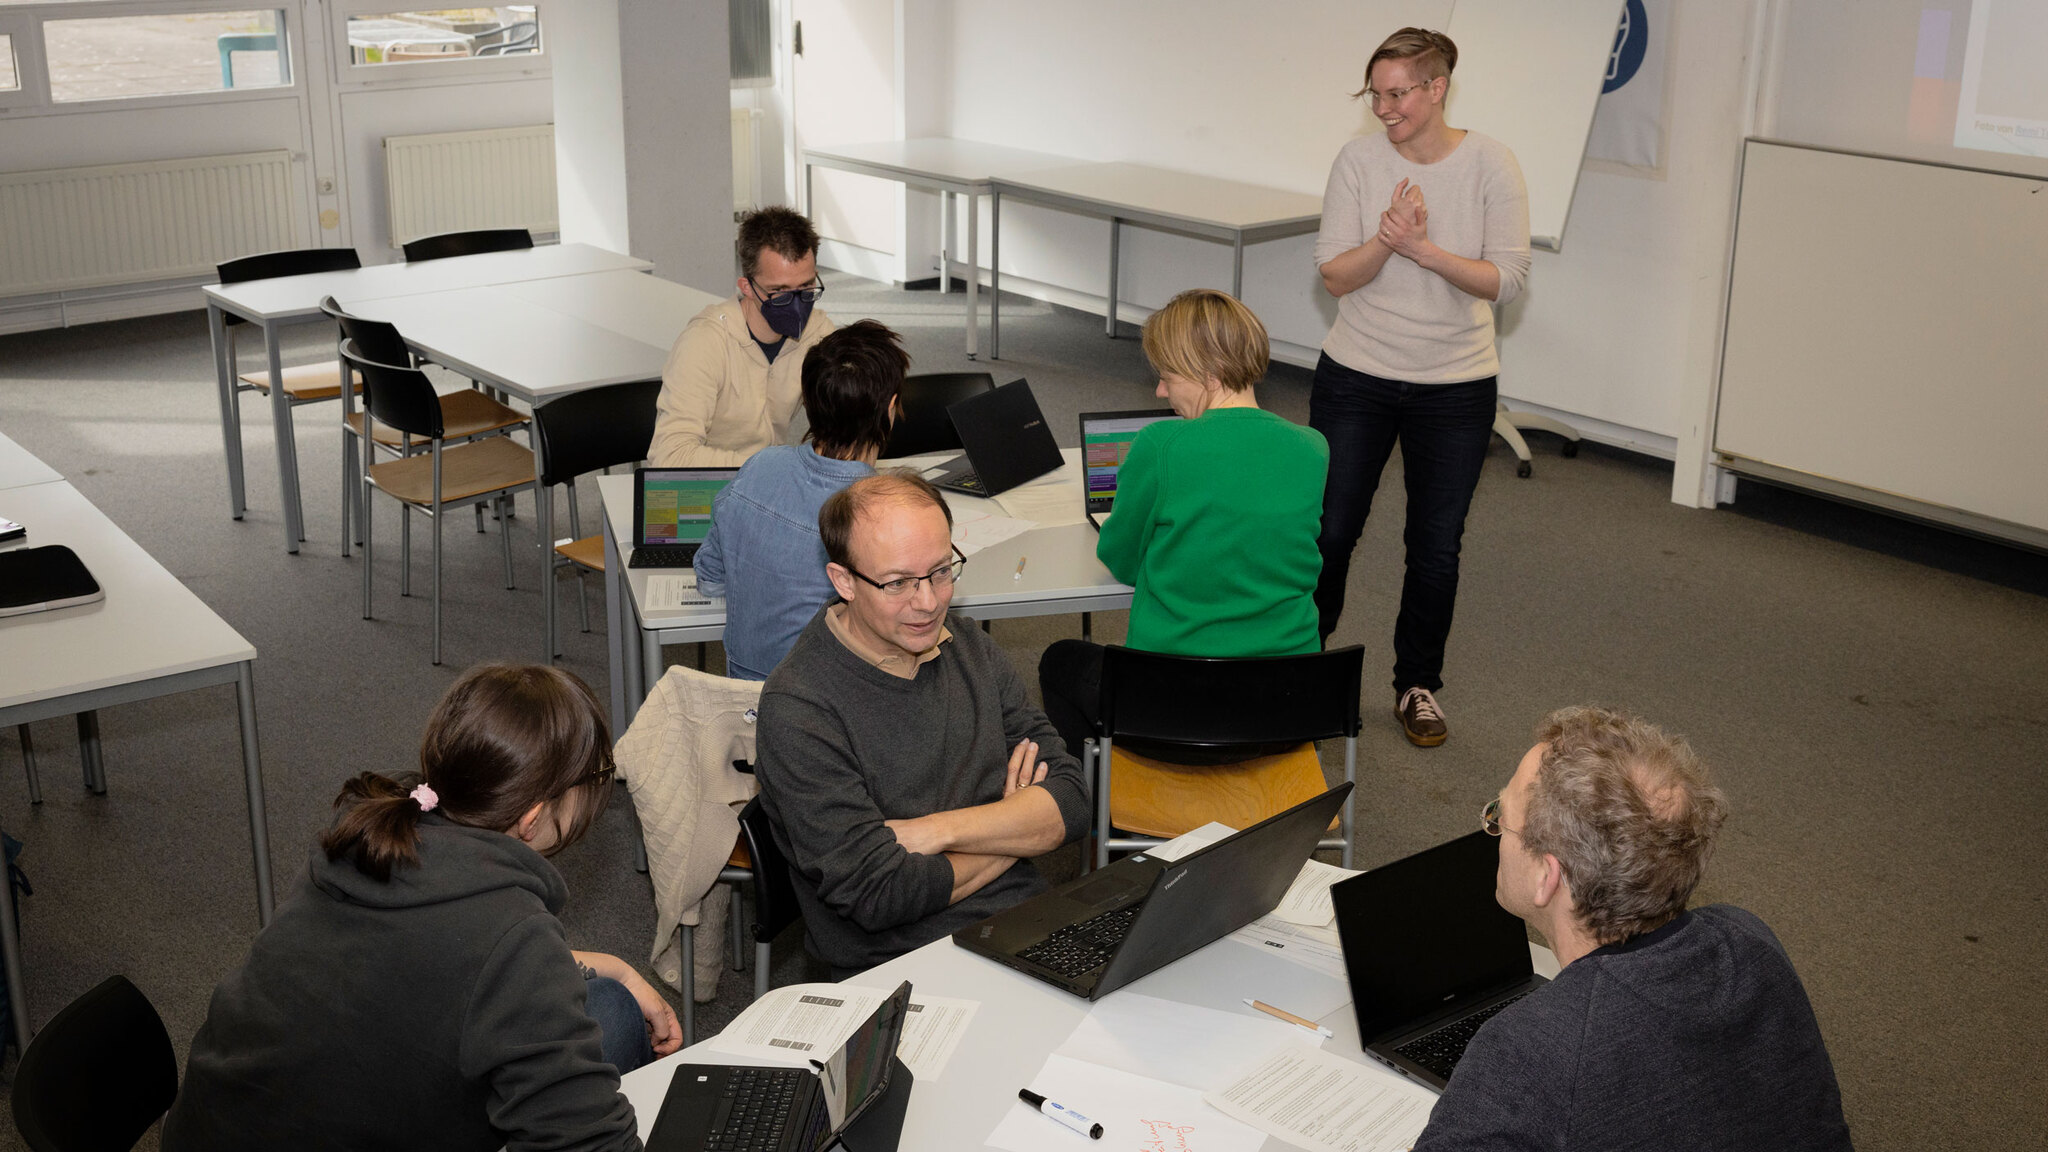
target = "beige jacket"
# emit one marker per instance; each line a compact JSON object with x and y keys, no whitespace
{"x":721,"y":401}
{"x":676,"y":760}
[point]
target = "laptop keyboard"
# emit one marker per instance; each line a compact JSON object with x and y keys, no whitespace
{"x":761,"y":1100}
{"x":969,"y":480}
{"x":1079,"y":949}
{"x":663,"y":556}
{"x":1440,"y":1050}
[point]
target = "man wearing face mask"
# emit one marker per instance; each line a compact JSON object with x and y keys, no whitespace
{"x":733,"y":383}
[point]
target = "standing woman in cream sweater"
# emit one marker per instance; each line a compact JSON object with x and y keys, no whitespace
{"x":1425,"y":227}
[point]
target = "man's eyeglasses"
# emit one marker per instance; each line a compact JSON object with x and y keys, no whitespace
{"x":1392,"y":96}
{"x":940,"y":578}
{"x":782,"y":299}
{"x":1489,"y":819}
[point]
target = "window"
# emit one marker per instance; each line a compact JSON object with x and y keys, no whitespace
{"x":753,"y":44}
{"x":444,"y":34}
{"x":10,"y":74}
{"x":119,"y":57}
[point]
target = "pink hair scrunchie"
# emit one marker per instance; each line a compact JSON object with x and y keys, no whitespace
{"x":426,"y":797}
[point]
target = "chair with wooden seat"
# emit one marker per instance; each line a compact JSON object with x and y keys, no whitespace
{"x":98,"y":1075}
{"x":921,"y":422}
{"x":465,"y":414}
{"x":758,"y":869}
{"x":1211,"y":707}
{"x":579,"y":433}
{"x":303,"y":383}
{"x":428,"y":482}
{"x":471,"y":243}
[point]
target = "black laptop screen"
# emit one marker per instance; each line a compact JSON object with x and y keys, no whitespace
{"x":857,"y":1073}
{"x":1424,"y":932}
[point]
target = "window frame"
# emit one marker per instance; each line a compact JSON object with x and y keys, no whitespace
{"x":25,"y":35}
{"x":350,"y":75}
{"x":25,"y":23}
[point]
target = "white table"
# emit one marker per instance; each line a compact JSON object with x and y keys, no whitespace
{"x":1062,"y":576}
{"x":150,"y":637}
{"x":1205,"y":206}
{"x":1021,"y":1021}
{"x":966,"y":168}
{"x":275,"y":303}
{"x":19,"y":466}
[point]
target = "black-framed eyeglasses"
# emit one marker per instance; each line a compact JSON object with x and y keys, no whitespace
{"x":809,"y":294}
{"x":1489,"y":819}
{"x":1392,"y":96}
{"x":944,"y":577}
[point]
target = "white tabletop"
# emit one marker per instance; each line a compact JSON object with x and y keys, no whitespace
{"x":530,"y":350}
{"x":297,"y":296}
{"x":1122,"y":189}
{"x":149,"y":625}
{"x":1022,"y":1020}
{"x":938,"y":157}
{"x":19,"y":466}
{"x":633,"y":304}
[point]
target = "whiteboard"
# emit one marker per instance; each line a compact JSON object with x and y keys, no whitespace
{"x":1529,"y":75}
{"x":1884,"y":330}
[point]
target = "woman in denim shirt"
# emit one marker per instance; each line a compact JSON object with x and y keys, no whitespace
{"x":763,"y":553}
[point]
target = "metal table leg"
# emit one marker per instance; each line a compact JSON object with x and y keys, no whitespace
{"x":1116,"y":235}
{"x":995,"y":269}
{"x":615,"y":628}
{"x":10,"y":955}
{"x":89,"y":756}
{"x":230,"y":410}
{"x":974,"y":281}
{"x":544,"y":506}
{"x":945,"y":241}
{"x":1237,"y":267}
{"x":252,"y":770}
{"x":287,"y":451}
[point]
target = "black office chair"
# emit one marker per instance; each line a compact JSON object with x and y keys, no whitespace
{"x":758,"y":868}
{"x":470,"y":243}
{"x":97,"y":1075}
{"x":921,"y":423}
{"x":514,"y":39}
{"x":583,"y":432}
{"x":485,"y":469}
{"x":1252,"y":704}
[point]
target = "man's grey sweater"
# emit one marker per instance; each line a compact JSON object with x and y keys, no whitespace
{"x":1695,"y":1036}
{"x":844,"y":745}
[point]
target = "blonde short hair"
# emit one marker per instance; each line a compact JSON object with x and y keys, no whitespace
{"x":1433,"y":53}
{"x":1203,"y":334}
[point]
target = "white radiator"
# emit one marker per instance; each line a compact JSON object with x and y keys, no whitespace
{"x":456,"y":181}
{"x":746,"y":166}
{"x":69,"y":228}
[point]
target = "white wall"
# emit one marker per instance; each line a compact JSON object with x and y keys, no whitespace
{"x":590,"y":124}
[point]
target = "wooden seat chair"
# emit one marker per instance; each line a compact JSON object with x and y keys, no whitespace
{"x":758,"y":870}
{"x":471,"y":243}
{"x":98,"y":1074}
{"x":580,"y":433}
{"x":487,"y":469}
{"x":465,"y":414}
{"x":921,"y":422}
{"x":1216,"y":705}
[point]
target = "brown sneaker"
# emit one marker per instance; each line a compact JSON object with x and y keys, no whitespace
{"x":1421,"y":719}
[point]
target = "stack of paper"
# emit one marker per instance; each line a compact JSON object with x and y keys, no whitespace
{"x":1325,"y":1103}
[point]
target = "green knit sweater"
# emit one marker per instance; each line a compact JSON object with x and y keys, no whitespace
{"x":1215,"y":525}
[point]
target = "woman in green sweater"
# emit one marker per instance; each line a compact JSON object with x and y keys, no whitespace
{"x":1216,"y":514}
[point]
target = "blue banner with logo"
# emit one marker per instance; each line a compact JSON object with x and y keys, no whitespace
{"x":1628,"y":123}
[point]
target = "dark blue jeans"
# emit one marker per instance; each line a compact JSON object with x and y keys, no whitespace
{"x":618,"y":1017}
{"x":1444,"y":431}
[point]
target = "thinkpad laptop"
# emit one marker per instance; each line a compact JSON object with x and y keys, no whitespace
{"x":1096,"y":934}
{"x":1431,"y":955}
{"x":672,"y":513}
{"x":1007,"y":442}
{"x":728,"y":1108}
{"x":1106,"y":439}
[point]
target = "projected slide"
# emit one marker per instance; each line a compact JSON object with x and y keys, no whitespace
{"x":2004,"y":100}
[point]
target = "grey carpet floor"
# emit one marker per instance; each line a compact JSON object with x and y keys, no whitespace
{"x":1873,"y":694}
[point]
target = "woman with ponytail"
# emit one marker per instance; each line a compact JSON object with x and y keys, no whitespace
{"x":418,"y":990}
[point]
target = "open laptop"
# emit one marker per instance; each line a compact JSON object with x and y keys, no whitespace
{"x":741,"y":1109}
{"x":1098,"y":933}
{"x":672,"y":513}
{"x":1431,"y":955}
{"x":1007,"y":441}
{"x":1106,"y":439}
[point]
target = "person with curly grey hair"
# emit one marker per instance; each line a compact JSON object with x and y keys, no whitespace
{"x":1667,"y":1027}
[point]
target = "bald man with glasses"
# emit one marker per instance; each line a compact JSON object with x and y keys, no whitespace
{"x":910,"y":780}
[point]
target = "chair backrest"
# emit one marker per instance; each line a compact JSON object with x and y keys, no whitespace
{"x":774,"y":896}
{"x":922,"y":424}
{"x":402,"y":397}
{"x":467,"y":243}
{"x":373,"y":339}
{"x":597,"y":428}
{"x":97,"y":1075}
{"x":1215,"y":703}
{"x":290,"y":262}
{"x":506,"y":39}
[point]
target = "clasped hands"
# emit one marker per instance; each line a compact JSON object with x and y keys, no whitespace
{"x":931,"y":835}
{"x":1404,"y":226}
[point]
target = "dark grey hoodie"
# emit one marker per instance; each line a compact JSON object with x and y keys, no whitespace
{"x":440,"y":1010}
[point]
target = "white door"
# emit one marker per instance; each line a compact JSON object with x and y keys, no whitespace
{"x":845,"y":93}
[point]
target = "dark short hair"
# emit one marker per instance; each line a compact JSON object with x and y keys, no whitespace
{"x":846,"y":506}
{"x":849,"y":378}
{"x":780,"y":230}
